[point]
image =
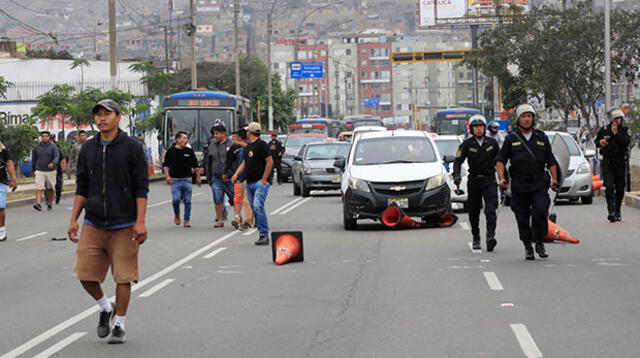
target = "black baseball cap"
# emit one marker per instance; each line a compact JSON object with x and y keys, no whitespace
{"x":108,"y":104}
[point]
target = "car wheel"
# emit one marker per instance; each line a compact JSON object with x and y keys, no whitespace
{"x":349,"y":223}
{"x":296,"y":188}
{"x":587,"y":199}
{"x":303,"y":189}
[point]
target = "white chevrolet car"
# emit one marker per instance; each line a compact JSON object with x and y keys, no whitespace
{"x":401,"y":167}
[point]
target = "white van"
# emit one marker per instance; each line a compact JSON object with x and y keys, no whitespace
{"x":401,"y":167}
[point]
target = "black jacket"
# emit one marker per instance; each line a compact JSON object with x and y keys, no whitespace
{"x":618,"y":144}
{"x":482,"y":159}
{"x":111,"y":177}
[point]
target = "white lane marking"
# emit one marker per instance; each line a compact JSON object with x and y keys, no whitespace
{"x":506,"y":305}
{"x":156,"y":288}
{"x":470,"y":248}
{"x":214,"y":253}
{"x":527,"y":344}
{"x":32,"y":236}
{"x":167,"y":201}
{"x":93,"y":309}
{"x":294,"y":206}
{"x":464,"y":226}
{"x":250,"y":232}
{"x":492,"y":280}
{"x":285,"y":206}
{"x":60,"y":345}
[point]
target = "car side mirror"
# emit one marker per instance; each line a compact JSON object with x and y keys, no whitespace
{"x":340,"y":163}
{"x":449,"y":158}
{"x":589,"y":153}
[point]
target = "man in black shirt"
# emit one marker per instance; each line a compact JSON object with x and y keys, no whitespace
{"x":258,"y":166}
{"x":613,"y":141}
{"x":276,"y":149}
{"x":529,"y":151}
{"x":6,"y":165}
{"x":180,"y":163}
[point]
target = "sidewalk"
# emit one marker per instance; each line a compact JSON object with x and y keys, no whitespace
{"x":32,"y":186}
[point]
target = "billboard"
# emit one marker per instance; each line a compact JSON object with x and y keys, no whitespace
{"x":446,"y":9}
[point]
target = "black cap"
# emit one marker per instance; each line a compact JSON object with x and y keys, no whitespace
{"x":108,"y":104}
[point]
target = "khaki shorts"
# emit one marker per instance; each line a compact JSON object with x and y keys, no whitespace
{"x":45,"y":180}
{"x":100,"y":248}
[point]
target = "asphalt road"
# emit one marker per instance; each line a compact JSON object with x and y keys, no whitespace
{"x":371,"y":293}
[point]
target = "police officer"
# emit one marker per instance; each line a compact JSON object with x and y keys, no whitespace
{"x":481,"y":152}
{"x":494,"y":132}
{"x":276,"y":149}
{"x":529,"y":151}
{"x":613,"y":141}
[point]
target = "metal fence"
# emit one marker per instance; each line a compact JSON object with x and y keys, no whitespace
{"x":30,"y":91}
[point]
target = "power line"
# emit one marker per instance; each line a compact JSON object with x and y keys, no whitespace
{"x":26,"y":8}
{"x":26,"y":26}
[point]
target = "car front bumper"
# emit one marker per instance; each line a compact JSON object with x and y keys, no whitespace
{"x":321,"y":181}
{"x":575,"y":186}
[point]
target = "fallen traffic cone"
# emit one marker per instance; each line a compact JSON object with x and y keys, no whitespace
{"x":394,"y":217}
{"x":556,"y":233}
{"x":596,"y":178}
{"x":287,"y":247}
{"x":597,"y":184}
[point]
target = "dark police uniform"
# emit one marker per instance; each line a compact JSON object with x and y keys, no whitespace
{"x":529,"y":182}
{"x":481,"y":183}
{"x":276,"y":150}
{"x":613,"y":165}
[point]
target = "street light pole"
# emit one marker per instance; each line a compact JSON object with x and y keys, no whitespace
{"x":270,"y":65}
{"x":607,"y":54}
{"x":194,"y":63}
{"x":236,"y":12}
{"x":113,"y":44}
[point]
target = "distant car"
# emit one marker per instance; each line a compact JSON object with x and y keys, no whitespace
{"x":313,"y":167}
{"x":292,"y":145}
{"x":399,"y":167}
{"x":578,"y":184}
{"x":448,"y":146}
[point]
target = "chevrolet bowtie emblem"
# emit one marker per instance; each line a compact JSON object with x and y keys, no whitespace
{"x":397,"y":188}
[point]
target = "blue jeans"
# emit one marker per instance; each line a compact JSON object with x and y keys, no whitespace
{"x":257,"y":193}
{"x":181,"y":191}
{"x":219,"y":189}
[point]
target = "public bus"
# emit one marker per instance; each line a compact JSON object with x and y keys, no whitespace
{"x":197,"y":111}
{"x":453,"y":121}
{"x":351,"y":122}
{"x":333,"y":126}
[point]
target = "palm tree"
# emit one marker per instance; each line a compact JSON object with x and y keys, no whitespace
{"x":80,"y":62}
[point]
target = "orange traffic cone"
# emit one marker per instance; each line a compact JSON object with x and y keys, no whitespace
{"x":596,"y":178}
{"x":391,"y":216}
{"x":151,"y":171}
{"x":597,"y":184}
{"x":287,"y":247}
{"x":555,"y":232}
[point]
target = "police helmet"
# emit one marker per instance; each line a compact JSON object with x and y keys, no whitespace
{"x":525,"y":108}
{"x":494,"y":125}
{"x":615,"y":113}
{"x":477,"y":120}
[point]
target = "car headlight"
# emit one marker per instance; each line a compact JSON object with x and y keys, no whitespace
{"x":359,"y":184}
{"x":436,"y":181}
{"x":583,"y":168}
{"x":313,"y":171}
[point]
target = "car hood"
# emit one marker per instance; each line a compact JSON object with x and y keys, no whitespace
{"x":396,"y":173}
{"x":575,"y":162}
{"x":292,"y":150}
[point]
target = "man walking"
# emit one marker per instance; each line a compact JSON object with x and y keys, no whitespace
{"x":44,"y":160}
{"x":240,"y":199}
{"x":258,"y":166}
{"x":529,"y":151}
{"x":276,"y":149}
{"x":481,"y":151}
{"x":75,"y":151}
{"x":112,"y":186}
{"x":613,"y":141}
{"x":6,"y":183}
{"x":60,"y":169}
{"x":216,"y":163}
{"x":180,"y":163}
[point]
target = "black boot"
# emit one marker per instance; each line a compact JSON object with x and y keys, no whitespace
{"x":540,"y":250}
{"x":618,"y":214}
{"x":491,"y":243}
{"x":612,"y":217}
{"x":476,"y":243}
{"x":528,"y":251}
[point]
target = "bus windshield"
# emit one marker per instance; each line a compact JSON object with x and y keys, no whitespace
{"x":196,"y":123}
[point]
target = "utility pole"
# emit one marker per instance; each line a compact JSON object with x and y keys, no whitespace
{"x":474,"y":45}
{"x":192,"y":33}
{"x":113,"y":47}
{"x":607,"y":54}
{"x":269,"y":64}
{"x":166,"y":50}
{"x":236,"y":51}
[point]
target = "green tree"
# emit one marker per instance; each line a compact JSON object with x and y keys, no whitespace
{"x":559,"y":54}
{"x":82,"y":63}
{"x":159,"y":84}
{"x":4,"y":86}
{"x":57,"y":101}
{"x":20,"y":139}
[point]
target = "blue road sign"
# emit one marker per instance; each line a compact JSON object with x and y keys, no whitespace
{"x":306,"y":70}
{"x":371,"y":101}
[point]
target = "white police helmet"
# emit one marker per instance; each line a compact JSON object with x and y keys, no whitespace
{"x":477,"y":120}
{"x":615,"y":113}
{"x":525,"y":108}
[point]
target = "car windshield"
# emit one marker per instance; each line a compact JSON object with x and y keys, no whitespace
{"x":326,"y":151}
{"x":447,"y":146}
{"x":299,"y":141}
{"x":573,"y":147}
{"x":389,"y":150}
